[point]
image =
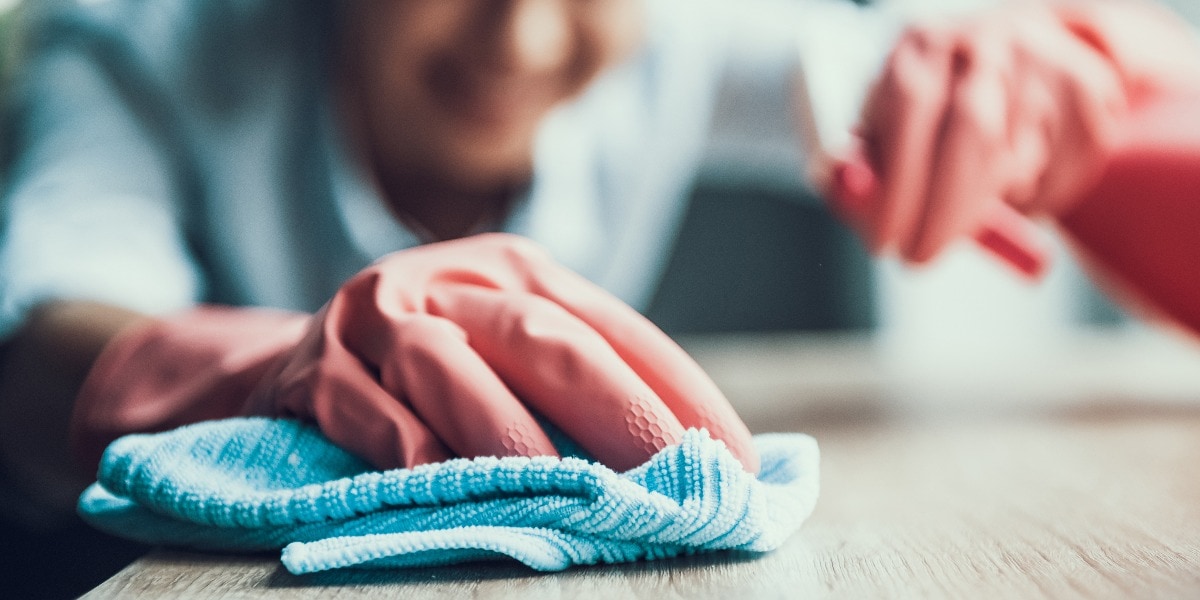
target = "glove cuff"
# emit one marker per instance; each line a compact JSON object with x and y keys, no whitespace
{"x":160,"y":374}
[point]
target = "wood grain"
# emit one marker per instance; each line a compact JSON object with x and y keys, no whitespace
{"x":1079,"y":500}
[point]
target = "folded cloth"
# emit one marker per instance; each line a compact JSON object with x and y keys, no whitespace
{"x":254,"y":484}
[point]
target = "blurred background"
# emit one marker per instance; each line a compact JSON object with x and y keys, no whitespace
{"x":761,"y":263}
{"x":757,"y":254}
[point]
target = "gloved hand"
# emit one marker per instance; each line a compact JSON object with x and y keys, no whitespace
{"x":1013,"y":110}
{"x":440,"y":351}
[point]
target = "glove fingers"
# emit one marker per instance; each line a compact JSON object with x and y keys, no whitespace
{"x":902,"y":118}
{"x":967,"y":164}
{"x":1092,"y":105}
{"x":673,"y":376}
{"x":564,"y":370}
{"x":455,"y":393}
{"x":349,"y":406}
{"x":1029,"y":153}
{"x":504,"y":262}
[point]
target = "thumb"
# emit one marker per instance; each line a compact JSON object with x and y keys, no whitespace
{"x":852,"y":189}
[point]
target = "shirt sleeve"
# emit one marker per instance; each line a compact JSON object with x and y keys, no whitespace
{"x":89,"y":205}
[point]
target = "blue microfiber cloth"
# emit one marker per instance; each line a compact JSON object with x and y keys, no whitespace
{"x":255,"y":484}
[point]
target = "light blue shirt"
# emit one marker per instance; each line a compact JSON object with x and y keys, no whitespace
{"x":170,"y":152}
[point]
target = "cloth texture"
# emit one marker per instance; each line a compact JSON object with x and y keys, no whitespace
{"x":252,"y":484}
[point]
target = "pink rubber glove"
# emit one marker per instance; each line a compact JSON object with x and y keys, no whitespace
{"x":431,"y":353}
{"x":1138,"y":228}
{"x":1015,"y":110}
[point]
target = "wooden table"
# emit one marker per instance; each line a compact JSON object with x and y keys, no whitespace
{"x":944,"y":486}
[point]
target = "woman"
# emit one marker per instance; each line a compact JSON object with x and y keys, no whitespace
{"x":292,"y":154}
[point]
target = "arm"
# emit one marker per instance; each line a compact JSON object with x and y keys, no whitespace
{"x":41,"y":369}
{"x":589,"y":364}
{"x":90,"y":241}
{"x":446,"y":350}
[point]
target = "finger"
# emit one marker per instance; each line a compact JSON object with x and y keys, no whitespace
{"x":1012,"y":237}
{"x":689,"y":394}
{"x":454,"y":392}
{"x":966,"y":173}
{"x":901,"y":121}
{"x":1091,"y":105}
{"x":852,"y":186}
{"x":564,"y":370}
{"x":1029,"y":144}
{"x":672,"y":375}
{"x":342,"y":396}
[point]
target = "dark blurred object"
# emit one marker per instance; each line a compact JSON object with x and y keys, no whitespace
{"x":763,"y":260}
{"x":44,"y":558}
{"x":60,"y":564}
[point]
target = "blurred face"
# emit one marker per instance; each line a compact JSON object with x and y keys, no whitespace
{"x":455,"y":89}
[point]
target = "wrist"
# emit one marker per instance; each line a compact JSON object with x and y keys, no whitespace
{"x":163,"y":373}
